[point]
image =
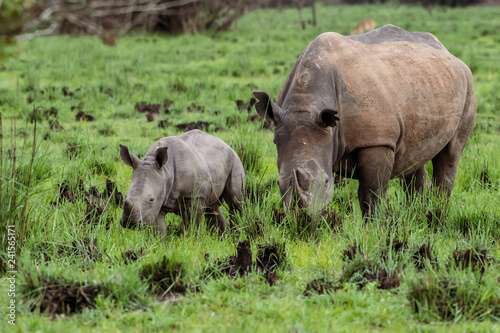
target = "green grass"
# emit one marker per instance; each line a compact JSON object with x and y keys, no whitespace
{"x":454,"y":290}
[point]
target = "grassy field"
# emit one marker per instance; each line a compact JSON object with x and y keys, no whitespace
{"x":420,"y":266}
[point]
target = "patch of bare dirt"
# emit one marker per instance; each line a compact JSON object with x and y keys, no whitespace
{"x":201,"y":125}
{"x":269,"y":259}
{"x":165,"y":277}
{"x":474,"y":258}
{"x":195,"y":108}
{"x":424,"y":253}
{"x":97,"y":202}
{"x":321,"y":287}
{"x":58,"y":296}
{"x":242,"y":105}
{"x":82,"y":116}
{"x":131,"y":256}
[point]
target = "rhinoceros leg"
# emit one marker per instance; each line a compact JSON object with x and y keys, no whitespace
{"x":161,"y":228}
{"x":233,"y":193}
{"x":213,"y":217}
{"x":191,"y":212}
{"x":374,"y":167}
{"x":414,"y":182}
{"x":445,"y":166}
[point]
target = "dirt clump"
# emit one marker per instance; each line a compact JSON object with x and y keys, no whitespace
{"x":87,"y":248}
{"x":163,"y":123}
{"x":236,"y":265}
{"x":334,"y":220}
{"x":195,"y":108}
{"x":201,"y":125}
{"x":242,"y":263}
{"x":242,"y":105}
{"x":321,"y":287}
{"x":279,"y":217}
{"x":58,"y":297}
{"x":474,"y":258}
{"x":165,"y":277}
{"x":83,"y":116}
{"x":256,"y":118}
{"x":73,"y":150}
{"x":352,"y":250}
{"x":269,"y":259}
{"x":131,"y":256}
{"x":424,"y":252}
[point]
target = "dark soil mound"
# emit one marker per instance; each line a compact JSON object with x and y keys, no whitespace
{"x":131,"y":256}
{"x":164,"y":277}
{"x":201,"y":125}
{"x":424,"y":252}
{"x":269,"y":259}
{"x":474,"y":258}
{"x":61,"y":297}
{"x":321,"y":287}
{"x":82,"y":116}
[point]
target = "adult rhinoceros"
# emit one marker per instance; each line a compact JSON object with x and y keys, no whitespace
{"x":374,"y":107}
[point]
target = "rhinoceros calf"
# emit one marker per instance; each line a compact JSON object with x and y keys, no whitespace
{"x":374,"y":107}
{"x":187,"y":175}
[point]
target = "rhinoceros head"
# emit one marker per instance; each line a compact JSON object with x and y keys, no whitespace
{"x":147,"y":192}
{"x":305,"y":149}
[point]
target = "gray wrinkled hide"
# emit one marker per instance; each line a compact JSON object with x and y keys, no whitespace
{"x":372,"y":107}
{"x":188,"y":175}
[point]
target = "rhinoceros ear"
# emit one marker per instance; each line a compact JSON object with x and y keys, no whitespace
{"x":129,"y":158}
{"x":266,"y":108}
{"x":161,"y":157}
{"x":328,"y":118}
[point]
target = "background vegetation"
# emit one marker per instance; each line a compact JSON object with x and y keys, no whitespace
{"x":419,"y":265}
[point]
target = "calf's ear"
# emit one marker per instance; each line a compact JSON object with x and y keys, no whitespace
{"x":129,"y":158}
{"x":161,"y":157}
{"x":266,"y":108}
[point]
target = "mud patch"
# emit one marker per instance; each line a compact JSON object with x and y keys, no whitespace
{"x":245,"y":106}
{"x":269,"y":259}
{"x":352,"y":251}
{"x":195,"y":108}
{"x":82,"y":116}
{"x":96,"y":203}
{"x":424,"y":253}
{"x":474,"y":258}
{"x":201,"y":125}
{"x":163,"y":123}
{"x":321,"y":287}
{"x":266,"y":124}
{"x":152,"y":110}
{"x":58,"y":296}
{"x":73,"y":150}
{"x":164,"y":278}
{"x":236,"y":265}
{"x":131,"y":256}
